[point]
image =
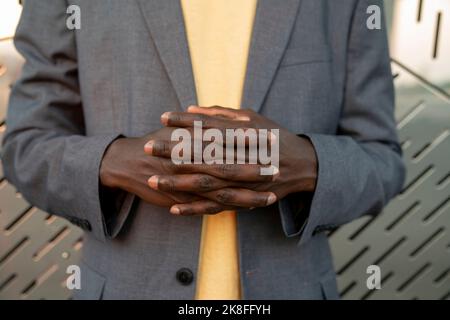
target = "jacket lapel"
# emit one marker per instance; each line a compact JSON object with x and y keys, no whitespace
{"x":166,"y":25}
{"x":274,"y":21}
{"x":271,"y":32}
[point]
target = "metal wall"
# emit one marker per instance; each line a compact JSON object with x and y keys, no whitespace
{"x":409,"y":241}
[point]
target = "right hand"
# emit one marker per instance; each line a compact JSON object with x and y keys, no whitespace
{"x":126,"y":166}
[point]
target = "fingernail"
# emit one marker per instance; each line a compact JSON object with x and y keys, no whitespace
{"x":148,"y":148}
{"x":191,"y":108}
{"x":153,"y":182}
{"x":175,"y":210}
{"x":271,"y":199}
{"x":242,"y":118}
{"x":165,"y":118}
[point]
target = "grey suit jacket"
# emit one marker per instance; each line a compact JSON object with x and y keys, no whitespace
{"x":314,"y":68}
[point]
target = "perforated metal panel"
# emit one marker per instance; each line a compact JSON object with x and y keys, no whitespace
{"x":410,"y":240}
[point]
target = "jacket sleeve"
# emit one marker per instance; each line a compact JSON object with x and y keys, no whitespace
{"x":360,"y":168}
{"x":46,"y":153}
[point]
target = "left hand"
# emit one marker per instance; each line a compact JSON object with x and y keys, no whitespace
{"x":297,"y":162}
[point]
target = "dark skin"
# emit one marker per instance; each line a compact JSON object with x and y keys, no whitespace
{"x":199,"y":189}
{"x":126,"y":166}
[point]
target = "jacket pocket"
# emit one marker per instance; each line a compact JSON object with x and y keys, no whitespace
{"x":92,"y":284}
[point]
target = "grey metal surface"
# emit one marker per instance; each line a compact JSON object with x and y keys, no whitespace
{"x":410,"y":240}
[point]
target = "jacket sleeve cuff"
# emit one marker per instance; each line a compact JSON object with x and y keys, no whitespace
{"x":88,"y":213}
{"x":303,"y":216}
{"x":116,"y":205}
{"x":294,"y":213}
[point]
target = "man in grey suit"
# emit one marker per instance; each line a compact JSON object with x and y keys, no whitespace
{"x":89,"y":101}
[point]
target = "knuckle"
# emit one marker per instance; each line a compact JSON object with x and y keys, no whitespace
{"x":212,"y":209}
{"x":225,"y":196}
{"x":205,"y":183}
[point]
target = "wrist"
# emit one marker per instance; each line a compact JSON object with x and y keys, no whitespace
{"x":307,"y":167}
{"x":109,"y":174}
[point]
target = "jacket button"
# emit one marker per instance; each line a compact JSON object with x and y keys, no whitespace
{"x":185,"y":276}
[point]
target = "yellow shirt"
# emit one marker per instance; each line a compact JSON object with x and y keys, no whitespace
{"x":219,"y":33}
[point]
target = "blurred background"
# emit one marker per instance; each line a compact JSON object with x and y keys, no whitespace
{"x":410,"y":240}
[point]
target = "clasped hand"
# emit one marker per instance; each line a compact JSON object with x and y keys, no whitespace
{"x":144,"y":166}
